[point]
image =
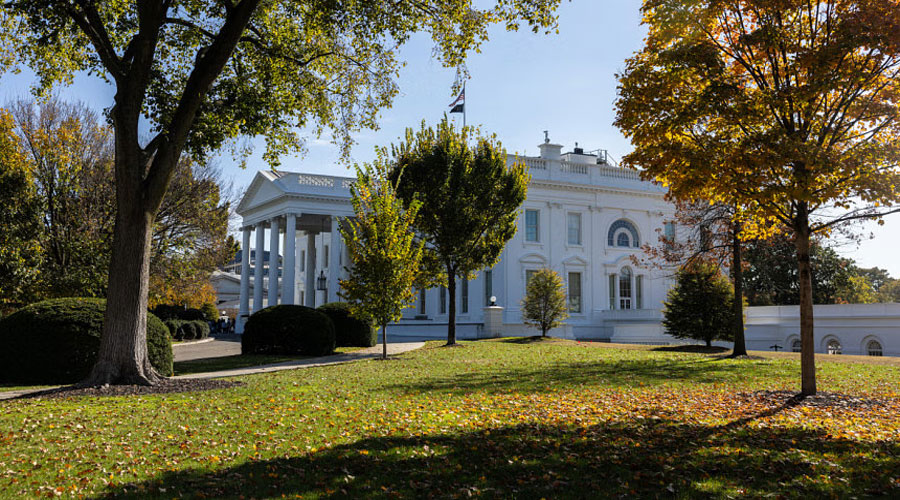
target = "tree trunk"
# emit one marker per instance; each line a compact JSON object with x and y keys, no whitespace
{"x":737,"y":274}
{"x":807,"y":346}
{"x":451,"y":319}
{"x":708,"y":343}
{"x":122,"y":358}
{"x":384,"y":341}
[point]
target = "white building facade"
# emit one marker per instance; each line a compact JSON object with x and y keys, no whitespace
{"x":583,"y":218}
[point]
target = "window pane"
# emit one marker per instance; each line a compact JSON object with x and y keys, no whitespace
{"x":834,"y":347}
{"x":575,"y":292}
{"x":622,"y":240}
{"x":531,"y":225}
{"x":528,"y":275}
{"x":325,"y":264}
{"x":612,"y":291}
{"x":874,"y":348}
{"x":574,"y":225}
{"x":443,"y":299}
{"x":625,"y":289}
{"x":488,"y":286}
{"x":421,"y":300}
{"x":638,"y":292}
{"x":796,"y":346}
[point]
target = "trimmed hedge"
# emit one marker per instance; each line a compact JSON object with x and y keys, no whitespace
{"x":288,"y":329}
{"x":56,"y":342}
{"x":187,"y":330}
{"x":349,"y":331}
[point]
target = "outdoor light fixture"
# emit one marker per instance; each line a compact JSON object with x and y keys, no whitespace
{"x":493,"y":300}
{"x":322,"y":281}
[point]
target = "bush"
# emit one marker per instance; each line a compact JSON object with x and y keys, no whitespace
{"x":210,"y":313}
{"x":56,"y":342}
{"x":699,"y":306}
{"x":192,"y":315}
{"x":173,"y":325}
{"x":288,"y":329}
{"x":186,"y":331}
{"x":167,"y":312}
{"x":349,"y":331}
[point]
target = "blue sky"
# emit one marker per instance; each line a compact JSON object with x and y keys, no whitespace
{"x":521,"y":84}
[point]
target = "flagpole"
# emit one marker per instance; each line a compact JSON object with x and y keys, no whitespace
{"x":464,"y":104}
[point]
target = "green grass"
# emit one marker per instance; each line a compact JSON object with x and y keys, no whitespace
{"x":493,"y":418}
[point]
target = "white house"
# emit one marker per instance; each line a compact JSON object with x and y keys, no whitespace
{"x":583,"y":217}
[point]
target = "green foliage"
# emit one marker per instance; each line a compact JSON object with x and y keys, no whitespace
{"x":349,"y":331}
{"x":699,"y":306}
{"x":19,"y":219}
{"x":288,"y":329}
{"x":856,"y":290}
{"x":544,"y":305}
{"x":469,"y":199}
{"x":382,"y":247}
{"x":770,"y":277}
{"x":210,"y":312}
{"x":56,"y":341}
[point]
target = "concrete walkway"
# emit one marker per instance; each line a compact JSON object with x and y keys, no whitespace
{"x":227,"y":345}
{"x":221,"y":345}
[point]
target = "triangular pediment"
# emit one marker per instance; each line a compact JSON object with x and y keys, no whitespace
{"x":264,"y":188}
{"x":533,"y":258}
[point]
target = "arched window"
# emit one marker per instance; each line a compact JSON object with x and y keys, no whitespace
{"x":873,"y":348}
{"x":625,"y":288}
{"x":796,"y":345}
{"x":620,"y":227}
{"x":834,"y":347}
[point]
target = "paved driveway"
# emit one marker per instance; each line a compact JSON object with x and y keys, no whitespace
{"x":221,"y":345}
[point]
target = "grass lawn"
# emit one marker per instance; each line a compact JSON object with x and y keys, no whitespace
{"x":494,"y":418}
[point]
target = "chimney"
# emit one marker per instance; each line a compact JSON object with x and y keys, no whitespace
{"x":550,"y":151}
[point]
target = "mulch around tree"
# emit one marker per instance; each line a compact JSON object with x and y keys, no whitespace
{"x":166,"y":386}
{"x":829,"y":400}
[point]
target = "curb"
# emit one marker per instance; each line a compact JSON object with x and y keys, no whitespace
{"x":194,"y":342}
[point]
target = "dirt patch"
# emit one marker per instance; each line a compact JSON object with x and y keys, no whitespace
{"x":702,"y":349}
{"x":167,"y":386}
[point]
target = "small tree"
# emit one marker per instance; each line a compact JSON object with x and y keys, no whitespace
{"x":544,"y":305}
{"x":699,"y":306}
{"x":382,"y":248}
{"x":469,"y":196}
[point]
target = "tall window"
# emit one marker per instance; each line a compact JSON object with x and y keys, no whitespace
{"x":443,"y":299}
{"x":575,"y":292}
{"x":612,"y":291}
{"x":488,"y":286}
{"x":669,"y":233}
{"x":529,"y":273}
{"x":464,"y":292}
{"x":302,"y":261}
{"x":625,"y":296}
{"x":834,"y":347}
{"x":325,"y":264}
{"x":574,"y":225}
{"x":532,"y":225}
{"x":421,"y":300}
{"x":796,"y":346}
{"x":639,"y":292}
{"x":873,"y":348}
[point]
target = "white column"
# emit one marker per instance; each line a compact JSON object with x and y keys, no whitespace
{"x":287,"y":278}
{"x":260,"y":261}
{"x":310,"y":269}
{"x":273,"y":261}
{"x":334,"y":256}
{"x":244,"y":309}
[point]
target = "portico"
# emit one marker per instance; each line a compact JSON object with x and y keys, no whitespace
{"x":305,"y":256}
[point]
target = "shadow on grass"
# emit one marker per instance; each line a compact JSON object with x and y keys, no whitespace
{"x":528,"y":340}
{"x":650,"y":458}
{"x":702,"y":349}
{"x":559,"y":375}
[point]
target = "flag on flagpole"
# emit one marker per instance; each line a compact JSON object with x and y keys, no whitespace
{"x":459,"y":105}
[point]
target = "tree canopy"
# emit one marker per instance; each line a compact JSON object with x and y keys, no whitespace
{"x":470,"y":200}
{"x":544,"y":305}
{"x":787,"y":110}
{"x":202,"y":74}
{"x":699,"y":306}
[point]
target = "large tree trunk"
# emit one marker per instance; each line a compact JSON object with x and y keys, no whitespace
{"x":737,"y":273}
{"x":451,"y":312}
{"x":123,"y":347}
{"x":807,"y":345}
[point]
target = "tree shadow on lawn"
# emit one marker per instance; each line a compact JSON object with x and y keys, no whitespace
{"x":647,"y":458}
{"x":625,"y":373}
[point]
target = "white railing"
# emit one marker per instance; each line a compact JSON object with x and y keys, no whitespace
{"x":316,"y":180}
{"x":574,"y":168}
{"x":534,"y":163}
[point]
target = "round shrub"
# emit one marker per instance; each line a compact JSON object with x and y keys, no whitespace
{"x":210,"y":313}
{"x":349,"y":331}
{"x":172,"y":325}
{"x":186,"y":331}
{"x":288,"y":329}
{"x":192,"y":315}
{"x":56,"y":342}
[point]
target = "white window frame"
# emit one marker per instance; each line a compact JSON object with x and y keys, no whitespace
{"x":537,"y":225}
{"x":580,"y":309}
{"x":580,"y":229}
